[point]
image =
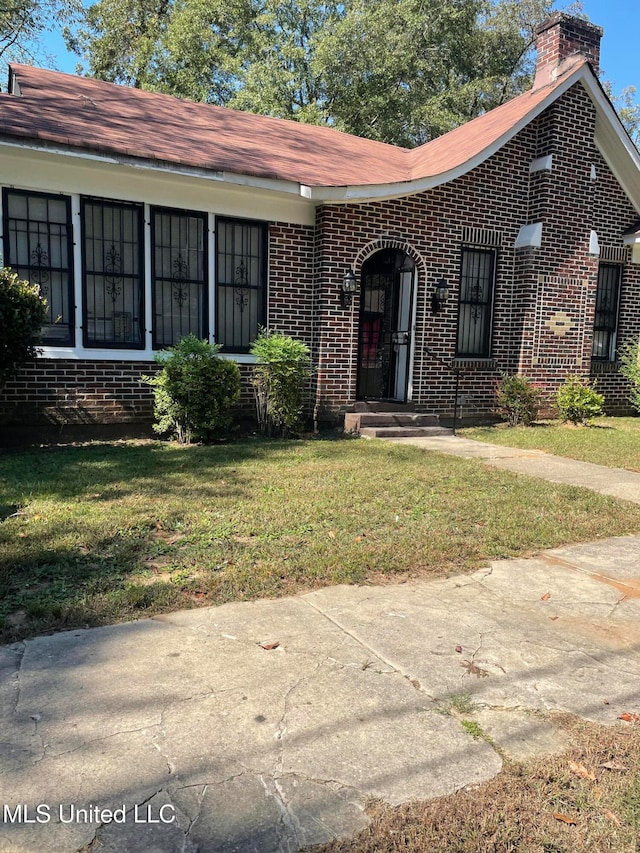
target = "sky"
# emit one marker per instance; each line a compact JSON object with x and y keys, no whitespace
{"x":620,"y":47}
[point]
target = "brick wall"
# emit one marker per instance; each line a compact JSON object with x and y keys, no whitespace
{"x":65,"y":391}
{"x":558,"y":280}
{"x":103,"y":392}
{"x":430,"y":227}
{"x":544,"y":297}
{"x":612,"y":216}
{"x":79,"y":392}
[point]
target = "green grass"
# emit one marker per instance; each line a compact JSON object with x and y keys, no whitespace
{"x":614,"y":442}
{"x":105,"y":532}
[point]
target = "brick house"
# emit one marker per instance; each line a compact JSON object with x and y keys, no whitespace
{"x":510,"y":244}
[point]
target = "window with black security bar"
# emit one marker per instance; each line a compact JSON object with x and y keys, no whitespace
{"x":241,"y":274}
{"x":477,"y":273}
{"x":113,"y":277}
{"x":605,"y":323}
{"x":179,"y":273}
{"x":38,"y":246}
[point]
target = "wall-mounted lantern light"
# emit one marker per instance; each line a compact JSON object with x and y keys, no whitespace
{"x":348,"y":287}
{"x":439,"y":295}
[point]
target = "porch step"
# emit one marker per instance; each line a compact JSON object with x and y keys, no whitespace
{"x":399,"y":423}
{"x":379,"y":406}
{"x":403,"y":432}
{"x":355,"y":421}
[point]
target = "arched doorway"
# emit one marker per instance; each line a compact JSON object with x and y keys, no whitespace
{"x":386,"y":320}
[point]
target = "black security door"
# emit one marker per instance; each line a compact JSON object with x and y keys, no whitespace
{"x":385,"y":326}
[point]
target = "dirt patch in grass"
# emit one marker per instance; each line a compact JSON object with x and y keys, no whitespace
{"x":585,"y":800}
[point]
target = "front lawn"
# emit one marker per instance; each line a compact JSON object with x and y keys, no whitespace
{"x":104,"y":532}
{"x":614,"y":442}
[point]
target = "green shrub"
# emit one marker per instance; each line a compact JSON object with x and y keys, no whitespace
{"x":22,"y":313}
{"x":630,"y":368}
{"x":518,"y":400}
{"x":280,"y":382}
{"x":195,"y":391}
{"x":577,"y":400}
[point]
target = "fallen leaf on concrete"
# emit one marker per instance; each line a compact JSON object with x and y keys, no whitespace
{"x":459,"y":649}
{"x":611,"y":816}
{"x":611,"y":765}
{"x":629,"y":718}
{"x":581,"y":770}
{"x":269,"y":646}
{"x":473,"y":669}
{"x":546,"y":596}
{"x":564,"y":818}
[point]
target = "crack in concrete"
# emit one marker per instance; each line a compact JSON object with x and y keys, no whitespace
{"x":358,"y":640}
{"x":476,"y":581}
{"x":54,"y":755}
{"x":94,"y":840}
{"x":287,"y":827}
{"x":333,"y":784}
{"x":615,"y":607}
{"x":282,"y":728}
{"x":288,"y":821}
{"x":192,"y":822}
{"x":394,"y":669}
{"x":19,"y":649}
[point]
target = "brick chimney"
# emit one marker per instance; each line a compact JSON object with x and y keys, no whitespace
{"x":561,"y":37}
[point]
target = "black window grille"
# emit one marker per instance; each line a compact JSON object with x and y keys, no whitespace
{"x":477,"y":272}
{"x":179,"y":272}
{"x":605,"y":323}
{"x":241,"y":274}
{"x":113,"y":280}
{"x":38,"y":246}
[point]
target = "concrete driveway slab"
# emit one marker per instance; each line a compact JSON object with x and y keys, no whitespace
{"x":266,"y":726}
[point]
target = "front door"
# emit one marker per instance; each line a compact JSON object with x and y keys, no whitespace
{"x":386,"y":314}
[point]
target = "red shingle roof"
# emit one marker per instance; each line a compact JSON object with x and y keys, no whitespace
{"x":79,"y":112}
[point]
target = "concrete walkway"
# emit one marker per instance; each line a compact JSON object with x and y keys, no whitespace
{"x":265,"y":726}
{"x":616,"y":482}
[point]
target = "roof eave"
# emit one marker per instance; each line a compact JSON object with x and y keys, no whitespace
{"x":372,"y":192}
{"x":615,"y":144}
{"x":278,"y":185}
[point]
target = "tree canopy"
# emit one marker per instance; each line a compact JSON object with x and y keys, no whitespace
{"x":400,"y":71}
{"x":24,"y":22}
{"x":628,"y":109}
